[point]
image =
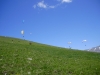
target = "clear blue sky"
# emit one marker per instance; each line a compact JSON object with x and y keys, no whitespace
{"x":53,"y":22}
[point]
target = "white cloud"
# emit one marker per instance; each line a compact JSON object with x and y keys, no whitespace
{"x":44,"y":5}
{"x":41,"y":4}
{"x":65,"y":1}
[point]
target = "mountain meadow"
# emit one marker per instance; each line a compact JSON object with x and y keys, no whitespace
{"x":23,"y":57}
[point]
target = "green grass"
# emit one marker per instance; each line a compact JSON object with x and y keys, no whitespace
{"x":21,"y":58}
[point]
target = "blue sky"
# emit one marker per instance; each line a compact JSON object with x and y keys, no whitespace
{"x":53,"y":22}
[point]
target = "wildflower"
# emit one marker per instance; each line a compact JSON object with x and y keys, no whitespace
{"x":5,"y":73}
{"x":29,"y":72}
{"x":29,"y":58}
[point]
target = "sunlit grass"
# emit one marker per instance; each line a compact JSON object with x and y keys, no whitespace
{"x":21,"y":58}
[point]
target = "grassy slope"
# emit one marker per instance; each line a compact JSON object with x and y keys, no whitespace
{"x":20,"y":58}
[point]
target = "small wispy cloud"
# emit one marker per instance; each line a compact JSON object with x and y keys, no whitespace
{"x":66,"y":1}
{"x":42,"y":4}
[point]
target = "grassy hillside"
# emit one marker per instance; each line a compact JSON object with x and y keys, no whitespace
{"x":18,"y":57}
